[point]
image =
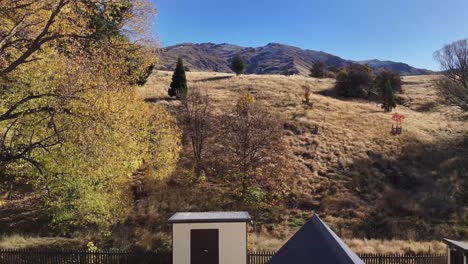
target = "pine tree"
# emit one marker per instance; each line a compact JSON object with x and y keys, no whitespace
{"x":388,"y":98}
{"x":238,"y":65}
{"x":179,"y":81}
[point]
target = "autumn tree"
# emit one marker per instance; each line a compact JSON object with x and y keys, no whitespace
{"x":250,"y":134}
{"x":165,"y":144}
{"x":71,"y":123}
{"x":31,"y":31}
{"x":178,"y":86}
{"x":238,"y":65}
{"x":196,"y":117}
{"x":318,"y":70}
{"x":388,"y":98}
{"x":453,"y":87}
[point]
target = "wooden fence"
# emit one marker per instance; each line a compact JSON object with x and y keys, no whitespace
{"x":262,"y":257}
{"x":404,"y":259}
{"x":22,"y":256}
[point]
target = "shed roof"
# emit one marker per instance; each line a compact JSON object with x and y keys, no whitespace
{"x":209,"y":217}
{"x":315,"y":242}
{"x":459,"y":245}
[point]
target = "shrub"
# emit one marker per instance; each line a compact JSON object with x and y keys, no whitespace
{"x":334,"y":69}
{"x":318,"y":70}
{"x":354,"y":82}
{"x":238,"y":65}
{"x":255,"y":196}
{"x":385,"y":76}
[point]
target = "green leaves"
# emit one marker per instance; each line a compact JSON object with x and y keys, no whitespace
{"x":238,"y":65}
{"x":388,"y":98}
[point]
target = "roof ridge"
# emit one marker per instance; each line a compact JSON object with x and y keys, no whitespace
{"x":336,"y":239}
{"x":315,"y":242}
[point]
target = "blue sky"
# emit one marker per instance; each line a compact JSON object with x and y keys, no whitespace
{"x":401,"y":30}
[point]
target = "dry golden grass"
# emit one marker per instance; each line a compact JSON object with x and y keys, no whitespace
{"x":349,"y":129}
{"x":365,"y":246}
{"x":262,"y":241}
{"x":351,"y":134}
{"x":21,"y":242}
{"x":334,"y":172}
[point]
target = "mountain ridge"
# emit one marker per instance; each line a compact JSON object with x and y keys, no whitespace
{"x":273,"y":58}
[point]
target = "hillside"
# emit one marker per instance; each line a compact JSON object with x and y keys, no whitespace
{"x":361,"y":180}
{"x":273,"y":58}
{"x":354,"y":173}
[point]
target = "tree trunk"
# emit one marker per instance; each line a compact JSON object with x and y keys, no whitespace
{"x":198,"y":168}
{"x":245,"y":179}
{"x":10,"y":192}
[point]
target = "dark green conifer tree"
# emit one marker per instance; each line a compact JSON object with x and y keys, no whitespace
{"x":179,"y":81}
{"x":388,"y":98}
{"x":238,"y":65}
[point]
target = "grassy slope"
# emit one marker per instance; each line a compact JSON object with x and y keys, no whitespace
{"x":354,"y":168}
{"x":344,"y":173}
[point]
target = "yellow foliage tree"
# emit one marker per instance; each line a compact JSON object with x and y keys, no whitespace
{"x":165,"y":143}
{"x":71,"y":123}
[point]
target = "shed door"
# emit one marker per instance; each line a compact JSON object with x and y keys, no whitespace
{"x":204,"y":246}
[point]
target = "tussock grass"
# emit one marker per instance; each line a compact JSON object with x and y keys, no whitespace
{"x":18,"y":241}
{"x":264,"y":241}
{"x":365,"y":246}
{"x":343,"y":172}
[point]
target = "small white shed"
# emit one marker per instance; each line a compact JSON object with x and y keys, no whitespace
{"x":209,"y":237}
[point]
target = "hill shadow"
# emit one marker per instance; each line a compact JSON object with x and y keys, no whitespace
{"x":419,"y":195}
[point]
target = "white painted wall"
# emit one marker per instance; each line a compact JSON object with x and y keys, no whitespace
{"x":232,"y":241}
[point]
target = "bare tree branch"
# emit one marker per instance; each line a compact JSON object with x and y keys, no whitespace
{"x":453,"y":59}
{"x":197,"y":120}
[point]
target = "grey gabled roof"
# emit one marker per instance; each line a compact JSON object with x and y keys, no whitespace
{"x":459,"y":245}
{"x":209,"y":217}
{"x":315,"y":242}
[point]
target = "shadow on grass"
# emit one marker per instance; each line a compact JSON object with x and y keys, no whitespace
{"x":419,"y":195}
{"x":330,"y":93}
{"x":333,"y":93}
{"x":426,"y":107}
{"x":214,"y":79}
{"x":159,"y":99}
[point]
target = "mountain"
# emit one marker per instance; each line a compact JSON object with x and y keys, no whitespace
{"x":274,"y":58}
{"x":403,"y":68}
